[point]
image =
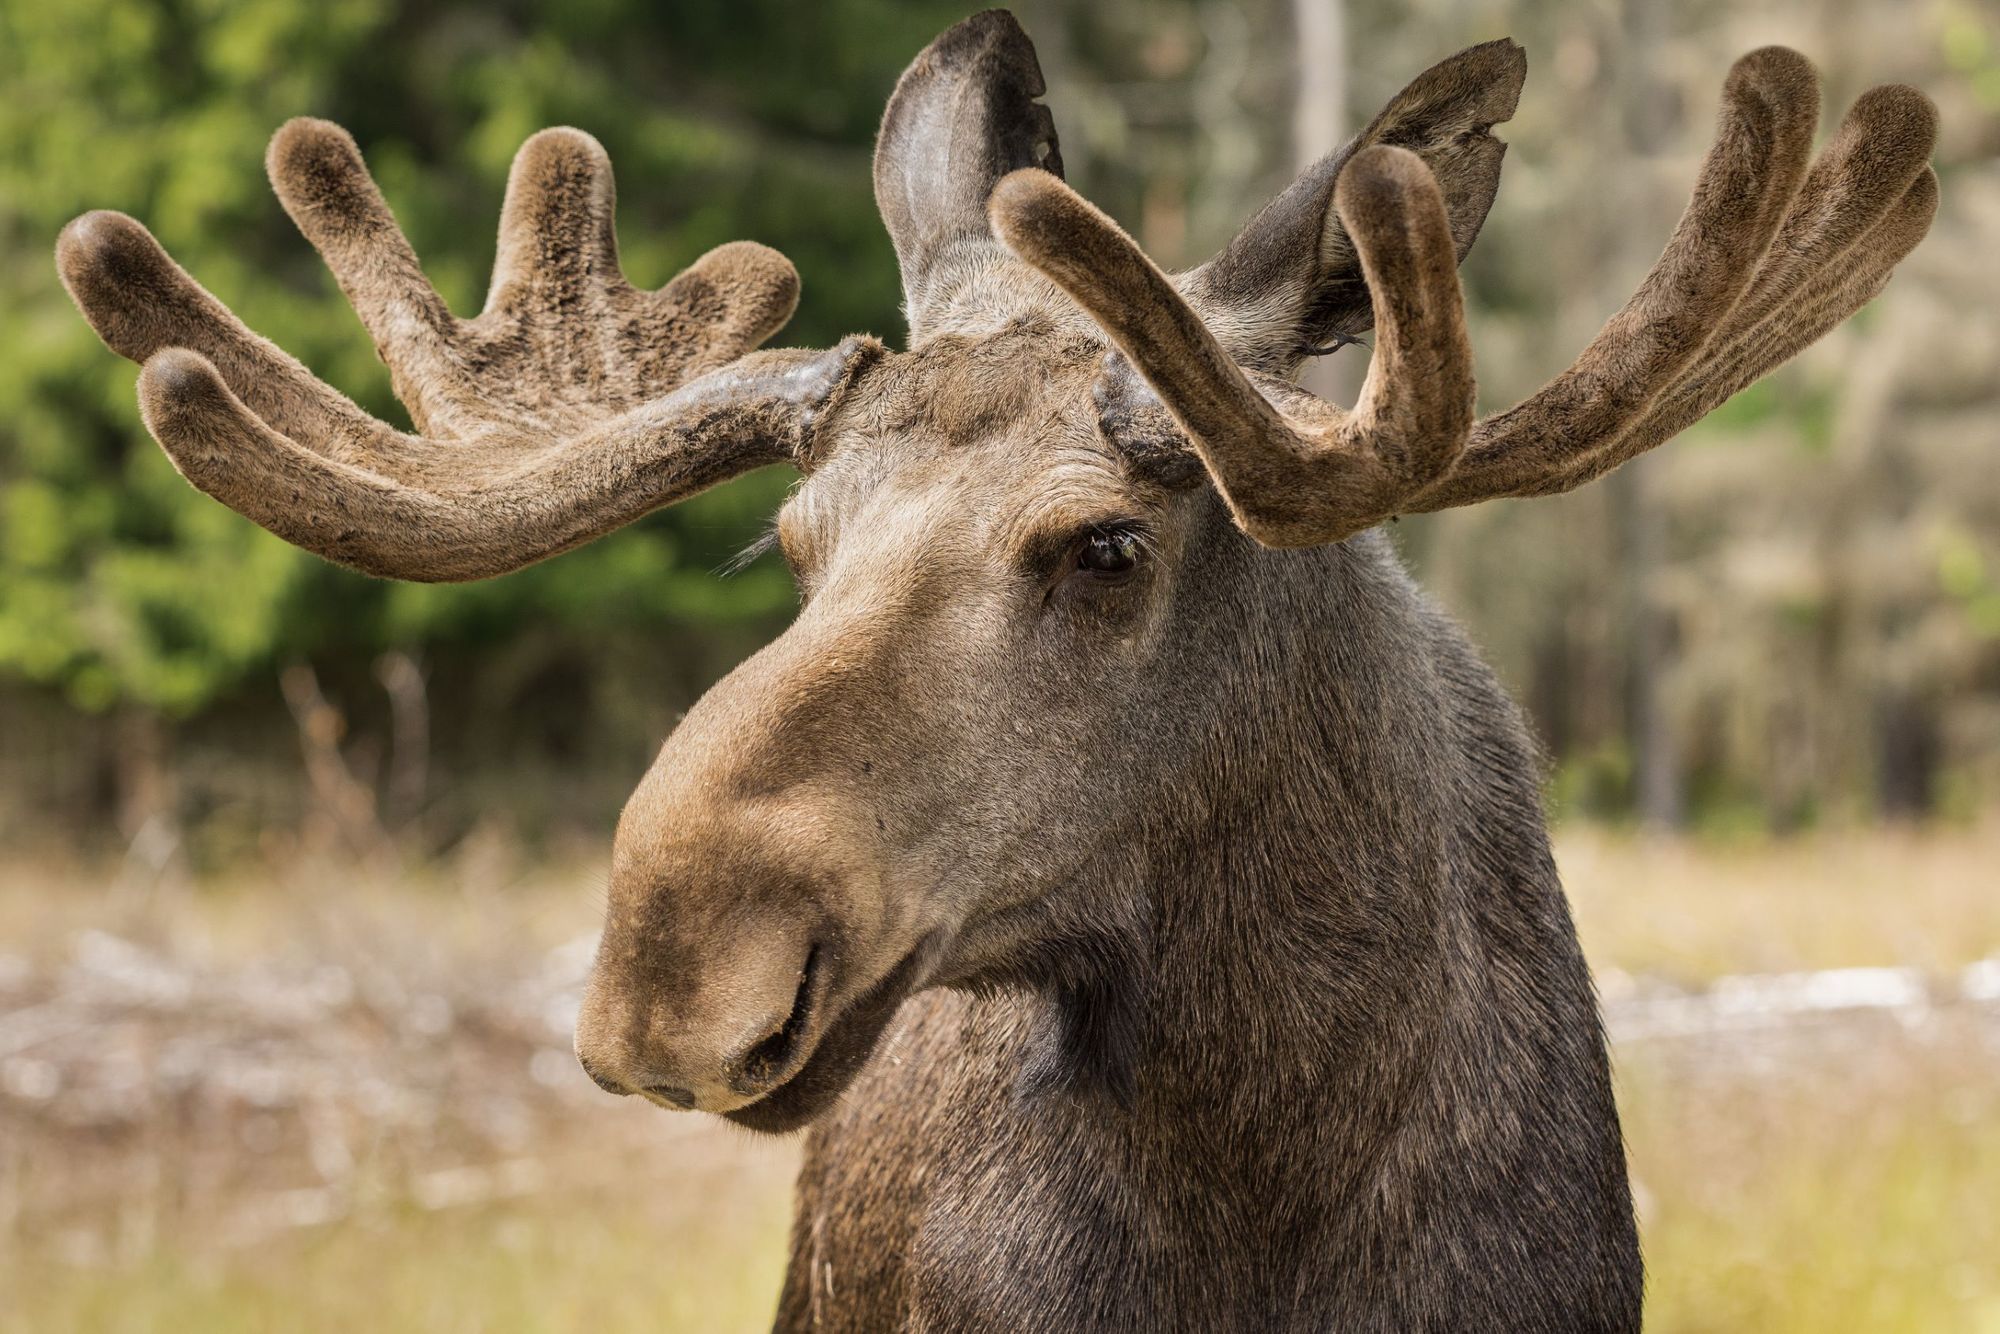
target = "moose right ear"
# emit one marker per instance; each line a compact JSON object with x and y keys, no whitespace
{"x":963,"y":115}
{"x":1290,"y":283}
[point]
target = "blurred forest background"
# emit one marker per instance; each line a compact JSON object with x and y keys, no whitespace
{"x":1790,"y":617}
{"x":1778,"y":635}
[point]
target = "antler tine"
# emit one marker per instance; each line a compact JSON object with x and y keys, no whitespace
{"x":139,"y":301}
{"x":507,"y":513}
{"x":317,"y":173}
{"x":1415,"y":407}
{"x":1753,"y":352}
{"x":1867,"y":201}
{"x":558,"y":239}
{"x":1770,"y":105}
{"x":572,"y":403}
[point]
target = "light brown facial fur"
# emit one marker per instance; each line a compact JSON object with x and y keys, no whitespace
{"x":947,"y":629}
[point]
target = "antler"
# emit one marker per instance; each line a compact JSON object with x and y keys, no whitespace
{"x":572,"y":405}
{"x":1767,"y":258}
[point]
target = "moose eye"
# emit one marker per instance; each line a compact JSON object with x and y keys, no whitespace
{"x":1109,"y":552}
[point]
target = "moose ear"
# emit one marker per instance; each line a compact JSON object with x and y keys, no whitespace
{"x":963,"y":115}
{"x":1290,"y":283}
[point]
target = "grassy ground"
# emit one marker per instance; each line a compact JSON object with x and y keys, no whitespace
{"x":1863,"y":1195}
{"x":1691,"y":911}
{"x":1852,"y":1183}
{"x":551,"y":1265}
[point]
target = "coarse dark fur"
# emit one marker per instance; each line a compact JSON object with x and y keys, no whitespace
{"x":1357,"y":1081}
{"x":1137,"y":887}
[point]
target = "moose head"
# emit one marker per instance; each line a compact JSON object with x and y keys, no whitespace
{"x":1051,"y":557}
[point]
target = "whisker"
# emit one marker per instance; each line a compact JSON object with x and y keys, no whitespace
{"x":763,"y":544}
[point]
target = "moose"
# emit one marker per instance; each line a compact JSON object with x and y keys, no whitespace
{"x":1134,"y":886}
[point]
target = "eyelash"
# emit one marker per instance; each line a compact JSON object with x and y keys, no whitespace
{"x":1133,"y":537}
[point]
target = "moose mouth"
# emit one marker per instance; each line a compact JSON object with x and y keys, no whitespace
{"x":845,"y":1044}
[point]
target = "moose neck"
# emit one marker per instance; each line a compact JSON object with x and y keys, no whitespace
{"x":1316,"y":906}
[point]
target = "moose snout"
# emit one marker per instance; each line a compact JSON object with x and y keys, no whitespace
{"x":713,"y":1041}
{"x":745,"y":898}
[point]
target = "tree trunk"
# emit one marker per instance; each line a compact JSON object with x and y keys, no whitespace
{"x":1319,"y":125}
{"x":1906,"y":755}
{"x":1656,"y":770}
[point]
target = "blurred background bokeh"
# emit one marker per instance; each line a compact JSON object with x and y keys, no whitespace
{"x":298,"y":868}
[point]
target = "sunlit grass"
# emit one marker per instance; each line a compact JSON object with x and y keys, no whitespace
{"x":1692,"y":910}
{"x":1864,"y":1197}
{"x":602,"y":1265}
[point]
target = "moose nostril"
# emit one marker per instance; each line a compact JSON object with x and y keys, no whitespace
{"x":769,"y":1058}
{"x":602,"y":1080}
{"x":679,"y":1097}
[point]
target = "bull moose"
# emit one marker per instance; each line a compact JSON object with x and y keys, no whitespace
{"x":1136,"y":889}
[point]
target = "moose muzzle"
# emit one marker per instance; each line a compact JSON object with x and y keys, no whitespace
{"x":749,"y":934}
{"x":723,"y":946}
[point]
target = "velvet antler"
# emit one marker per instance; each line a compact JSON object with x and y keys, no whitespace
{"x":1767,"y":258}
{"x":572,"y":405}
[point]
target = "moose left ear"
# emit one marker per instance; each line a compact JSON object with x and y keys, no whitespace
{"x":1290,"y":283}
{"x":963,"y":115}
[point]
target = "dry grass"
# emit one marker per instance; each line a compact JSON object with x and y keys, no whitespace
{"x":1846,"y":1181}
{"x":1690,"y":911}
{"x":603,"y":1263}
{"x":1860,"y":1192}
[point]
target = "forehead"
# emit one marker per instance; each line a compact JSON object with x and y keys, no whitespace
{"x":970,"y":426}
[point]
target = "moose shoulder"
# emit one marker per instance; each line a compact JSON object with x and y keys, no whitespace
{"x":1136,"y":887}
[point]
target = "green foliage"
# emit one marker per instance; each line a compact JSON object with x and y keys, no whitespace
{"x":1965,"y":578}
{"x":1971,"y":46}
{"x":120,"y":583}
{"x":1593,"y":785}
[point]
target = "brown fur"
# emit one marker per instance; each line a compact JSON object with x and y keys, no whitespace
{"x":1156,"y":929}
{"x":963,"y":115}
{"x":571,"y":406}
